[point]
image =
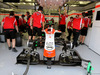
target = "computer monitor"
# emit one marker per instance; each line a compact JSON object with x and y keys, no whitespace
{"x":98,"y":15}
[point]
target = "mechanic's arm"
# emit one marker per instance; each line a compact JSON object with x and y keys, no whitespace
{"x":82,"y":25}
{"x":16,"y":28}
{"x":43,"y":25}
{"x":2,"y":23}
{"x":72,"y":26}
{"x":89,"y":22}
{"x":16,"y":25}
{"x":31,"y":19}
{"x":59,"y":12}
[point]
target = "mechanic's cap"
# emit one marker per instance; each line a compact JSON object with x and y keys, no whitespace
{"x":50,"y":22}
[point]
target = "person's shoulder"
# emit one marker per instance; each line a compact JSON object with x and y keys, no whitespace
{"x":14,"y":17}
{"x":74,"y":18}
{"x":62,"y":15}
{"x":69,"y":22}
{"x":42,"y":14}
{"x":6,"y":17}
{"x":67,"y":15}
{"x":80,"y":18}
{"x":20,"y":19}
{"x":30,"y":16}
{"x":34,"y":13}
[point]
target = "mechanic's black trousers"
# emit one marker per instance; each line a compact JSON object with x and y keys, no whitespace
{"x":76,"y":34}
{"x":69,"y":34}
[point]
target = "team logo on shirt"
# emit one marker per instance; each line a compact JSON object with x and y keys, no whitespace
{"x":85,"y":19}
{"x":37,"y":14}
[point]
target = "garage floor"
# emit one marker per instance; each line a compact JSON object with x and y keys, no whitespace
{"x":8,"y":60}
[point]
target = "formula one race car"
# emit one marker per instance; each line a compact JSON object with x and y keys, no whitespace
{"x":51,"y":37}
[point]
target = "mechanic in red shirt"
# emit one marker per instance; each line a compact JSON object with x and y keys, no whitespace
{"x":69,"y":28}
{"x":37,"y":22}
{"x":62,"y":22}
{"x":28,"y":27}
{"x":22,"y":23}
{"x":52,"y":20}
{"x":22,"y":20}
{"x":8,"y":24}
{"x":85,"y":28}
{"x":78,"y":23}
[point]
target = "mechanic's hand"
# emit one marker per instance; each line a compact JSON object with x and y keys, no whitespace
{"x":31,"y":27}
{"x":42,"y":29}
{"x":17,"y":31}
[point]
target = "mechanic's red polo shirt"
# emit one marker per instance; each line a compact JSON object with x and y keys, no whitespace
{"x":28,"y":22}
{"x":69,"y":25}
{"x":47,"y":21}
{"x":21,"y":21}
{"x":87,"y":22}
{"x":77,"y":23}
{"x":38,"y":18}
{"x":9,"y":22}
{"x":63,"y":19}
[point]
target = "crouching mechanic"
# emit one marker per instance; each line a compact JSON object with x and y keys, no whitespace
{"x":38,"y":21}
{"x":8,"y":24}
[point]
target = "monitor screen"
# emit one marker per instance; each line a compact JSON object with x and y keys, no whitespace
{"x":98,"y":15}
{"x":11,"y":1}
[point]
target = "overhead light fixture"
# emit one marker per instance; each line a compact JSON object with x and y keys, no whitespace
{"x":33,"y":4}
{"x":18,"y":3}
{"x":7,"y":2}
{"x":28,"y":0}
{"x":29,"y":3}
{"x":65,"y":5}
{"x":13,"y":3}
{"x":24,"y":3}
{"x":7,"y":9}
{"x":84,"y":2}
{"x":73,"y":5}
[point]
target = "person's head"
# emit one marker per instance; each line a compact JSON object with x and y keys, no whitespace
{"x":71,"y":18}
{"x":23,"y":16}
{"x":86,"y":14}
{"x":11,"y":13}
{"x":27,"y":13}
{"x":77,"y":16}
{"x":83,"y":14}
{"x":52,"y":19}
{"x":40,"y":8}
